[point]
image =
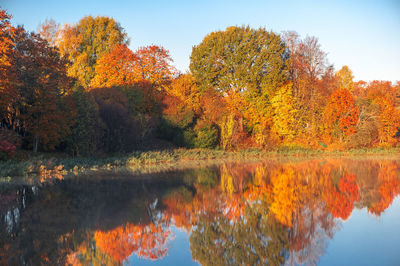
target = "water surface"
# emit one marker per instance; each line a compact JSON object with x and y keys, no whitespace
{"x":325,"y":212}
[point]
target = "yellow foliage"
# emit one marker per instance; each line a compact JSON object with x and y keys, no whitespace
{"x":284,"y":113}
{"x":344,"y":79}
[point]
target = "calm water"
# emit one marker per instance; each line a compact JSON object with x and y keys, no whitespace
{"x":325,"y":212}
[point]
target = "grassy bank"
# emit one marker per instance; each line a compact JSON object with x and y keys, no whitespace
{"x":156,"y":161}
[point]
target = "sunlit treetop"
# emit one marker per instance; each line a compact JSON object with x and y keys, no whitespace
{"x":85,"y":42}
{"x":240,"y":59}
{"x":344,"y":79}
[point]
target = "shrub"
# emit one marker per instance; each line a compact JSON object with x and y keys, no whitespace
{"x":189,"y":138}
{"x":206,"y":136}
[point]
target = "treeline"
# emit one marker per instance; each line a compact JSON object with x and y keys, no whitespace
{"x":80,"y":89}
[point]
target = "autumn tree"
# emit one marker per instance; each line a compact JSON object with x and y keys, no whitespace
{"x":42,"y":82}
{"x":307,"y":61}
{"x":86,"y":42}
{"x":311,"y":76}
{"x":244,"y":65}
{"x":154,"y":64}
{"x":8,"y":92}
{"x":344,"y":78}
{"x":186,"y":90}
{"x":284,"y":112}
{"x":379,"y":114}
{"x":119,"y":67}
{"x":341,"y":114}
{"x":389,"y":121}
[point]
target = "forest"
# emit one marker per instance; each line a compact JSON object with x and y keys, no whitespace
{"x":79,"y":89}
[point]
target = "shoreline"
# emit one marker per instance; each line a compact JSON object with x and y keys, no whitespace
{"x":145,"y":162}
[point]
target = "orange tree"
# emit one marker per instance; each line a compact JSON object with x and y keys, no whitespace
{"x":116,"y":68}
{"x":154,"y":64}
{"x":341,"y":114}
{"x":384,"y":95}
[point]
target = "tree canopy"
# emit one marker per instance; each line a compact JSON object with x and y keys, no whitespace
{"x":85,"y":43}
{"x":240,"y":59}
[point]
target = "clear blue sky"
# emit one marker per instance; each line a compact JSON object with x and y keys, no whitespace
{"x":365,"y":35}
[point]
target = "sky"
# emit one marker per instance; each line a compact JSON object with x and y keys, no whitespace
{"x":364,"y":34}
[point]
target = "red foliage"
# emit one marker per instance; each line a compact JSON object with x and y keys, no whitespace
{"x":341,"y":109}
{"x":347,"y":123}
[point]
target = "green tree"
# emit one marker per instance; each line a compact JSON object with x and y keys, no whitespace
{"x":240,"y":59}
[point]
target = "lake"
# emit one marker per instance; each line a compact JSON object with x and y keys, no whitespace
{"x":328,"y":211}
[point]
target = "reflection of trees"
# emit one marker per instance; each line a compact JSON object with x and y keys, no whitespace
{"x":255,"y":239}
{"x":388,"y":187}
{"x":87,"y":254}
{"x":52,"y":218}
{"x":297,"y":191}
{"x":304,"y":198}
{"x":340,"y":201}
{"x":259,"y":213}
{"x":149,"y":242}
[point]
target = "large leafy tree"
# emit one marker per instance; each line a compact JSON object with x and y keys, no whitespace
{"x":240,"y":59}
{"x":246,"y":66}
{"x":85,"y":43}
{"x":42,"y":83}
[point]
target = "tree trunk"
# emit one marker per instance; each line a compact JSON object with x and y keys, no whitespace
{"x":35,"y":143}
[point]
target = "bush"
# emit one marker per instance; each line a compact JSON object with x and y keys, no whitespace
{"x":206,"y":137}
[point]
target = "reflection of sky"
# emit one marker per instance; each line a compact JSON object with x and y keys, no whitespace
{"x":366,"y":239}
{"x":179,"y":253}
